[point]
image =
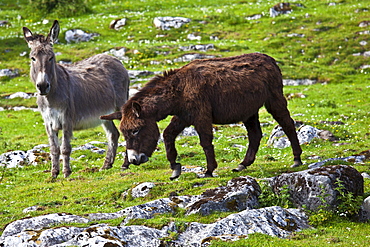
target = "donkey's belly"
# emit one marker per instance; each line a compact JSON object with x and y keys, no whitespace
{"x":87,"y":123}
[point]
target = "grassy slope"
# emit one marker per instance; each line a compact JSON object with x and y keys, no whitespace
{"x":324,"y":53}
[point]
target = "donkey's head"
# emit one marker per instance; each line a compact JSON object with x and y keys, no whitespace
{"x":139,"y":130}
{"x":43,"y":67}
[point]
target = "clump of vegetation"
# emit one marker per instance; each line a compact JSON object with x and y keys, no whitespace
{"x":269,"y":198}
{"x":59,"y":8}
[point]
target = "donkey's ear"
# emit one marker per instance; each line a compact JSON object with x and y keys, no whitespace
{"x":54,"y":32}
{"x":136,"y":109}
{"x":28,"y":36}
{"x":115,"y":115}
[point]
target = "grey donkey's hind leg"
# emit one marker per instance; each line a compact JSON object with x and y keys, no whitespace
{"x":112,"y":136}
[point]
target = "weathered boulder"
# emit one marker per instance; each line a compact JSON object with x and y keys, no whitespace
{"x":309,"y":187}
{"x":20,"y":95}
{"x":119,"y":53}
{"x":166,"y":23}
{"x":191,"y":57}
{"x":142,"y":190}
{"x":298,"y":82}
{"x":280,"y":8}
{"x":9,"y":72}
{"x":274,"y":221}
{"x":40,"y":222}
{"x":117,"y":24}
{"x":78,"y":35}
{"x":239,"y":194}
{"x":305,"y":134}
{"x":149,"y":209}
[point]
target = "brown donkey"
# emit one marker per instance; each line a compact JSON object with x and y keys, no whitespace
{"x":72,"y":97}
{"x":219,"y":91}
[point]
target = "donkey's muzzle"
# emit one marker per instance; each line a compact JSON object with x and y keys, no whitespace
{"x":44,"y":88}
{"x":135,"y":157}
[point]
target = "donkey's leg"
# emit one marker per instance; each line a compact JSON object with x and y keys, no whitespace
{"x":112,"y":136}
{"x":54,"y":150}
{"x":204,"y":130}
{"x":66,"y":150}
{"x":277,"y":106}
{"x":254,"y":137}
{"x":169,"y":136}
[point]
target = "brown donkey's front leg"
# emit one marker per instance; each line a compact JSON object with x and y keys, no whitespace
{"x":169,"y":136}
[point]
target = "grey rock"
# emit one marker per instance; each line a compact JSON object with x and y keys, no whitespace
{"x":310,"y":186}
{"x":9,"y":72}
{"x":20,"y":95}
{"x":142,"y":190}
{"x":191,"y":57}
{"x":118,"y":53}
{"x":189,"y":131}
{"x":40,"y":222}
{"x":274,"y":221}
{"x":198,"y":47}
{"x":127,"y":236}
{"x":148,"y":210}
{"x":78,"y":35}
{"x":298,"y":82}
{"x":239,"y":194}
{"x":365,"y":209}
{"x":305,"y":134}
{"x":166,"y":23}
{"x":117,"y":24}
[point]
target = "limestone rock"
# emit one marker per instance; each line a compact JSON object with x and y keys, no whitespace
{"x":274,"y":221}
{"x":239,"y":194}
{"x":9,"y":72}
{"x":78,"y":35}
{"x":40,"y":222}
{"x":166,"y":23}
{"x":309,"y":186}
{"x":142,"y":190}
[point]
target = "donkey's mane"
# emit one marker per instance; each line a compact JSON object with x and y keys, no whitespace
{"x":158,"y":81}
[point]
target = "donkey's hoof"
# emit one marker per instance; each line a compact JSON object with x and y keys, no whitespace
{"x":297,"y":162}
{"x":208,"y":174}
{"x":124,"y":168}
{"x":67,"y":173}
{"x":176,"y":171}
{"x":105,"y":167}
{"x":239,"y":168}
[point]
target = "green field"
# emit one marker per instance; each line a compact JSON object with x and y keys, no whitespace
{"x":317,"y":42}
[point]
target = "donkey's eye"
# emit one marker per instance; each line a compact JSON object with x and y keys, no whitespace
{"x":51,"y":58}
{"x":33,"y":59}
{"x":135,"y":132}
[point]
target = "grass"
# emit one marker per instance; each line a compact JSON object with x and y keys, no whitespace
{"x":328,"y":36}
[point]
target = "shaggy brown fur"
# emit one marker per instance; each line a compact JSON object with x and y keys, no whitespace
{"x":202,"y":93}
{"x":72,"y":97}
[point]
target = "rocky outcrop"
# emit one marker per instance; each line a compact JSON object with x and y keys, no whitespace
{"x":168,"y":22}
{"x":240,"y":196}
{"x":308,"y":188}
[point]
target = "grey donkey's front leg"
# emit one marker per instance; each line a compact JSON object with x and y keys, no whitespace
{"x":112,"y":136}
{"x":66,"y":150}
{"x":54,"y":150}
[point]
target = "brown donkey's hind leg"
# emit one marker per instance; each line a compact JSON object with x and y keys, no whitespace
{"x":278,"y":109}
{"x":254,"y":137}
